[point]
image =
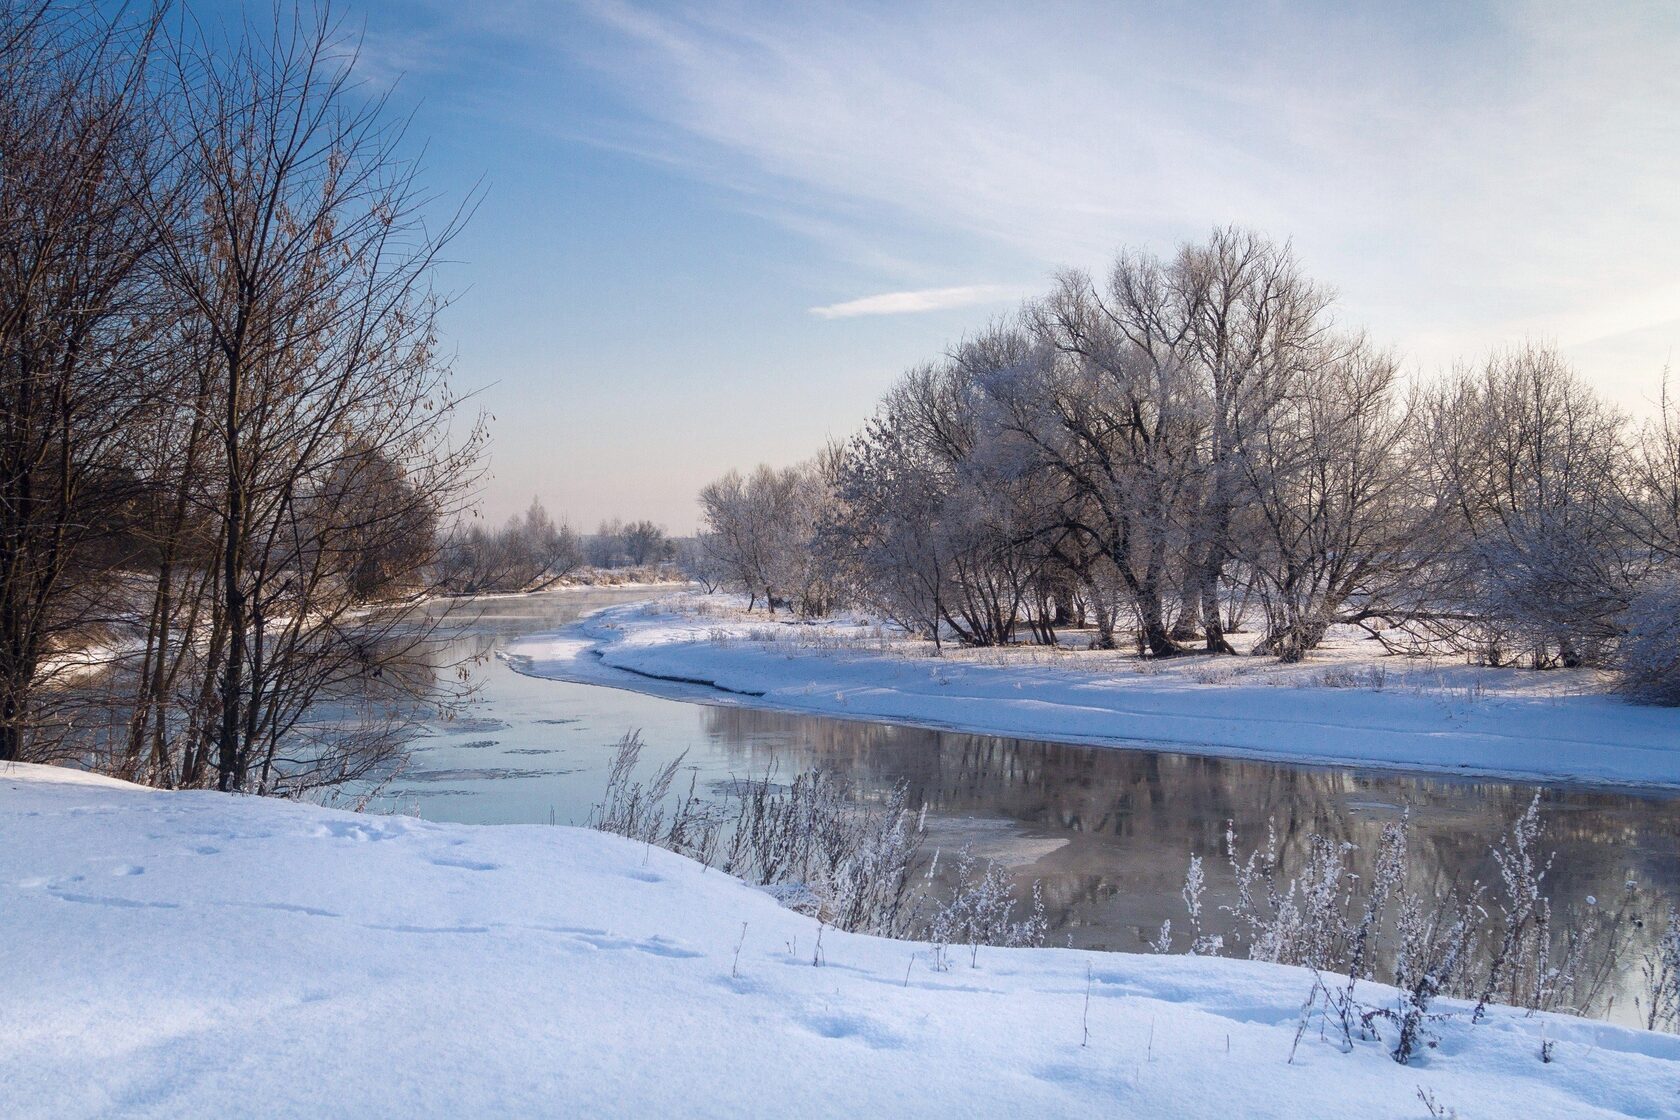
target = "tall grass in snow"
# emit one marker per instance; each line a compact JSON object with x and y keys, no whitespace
{"x":850,"y":863}
{"x":1495,"y":942}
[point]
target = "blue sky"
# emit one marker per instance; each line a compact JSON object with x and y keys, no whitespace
{"x":700,"y":222}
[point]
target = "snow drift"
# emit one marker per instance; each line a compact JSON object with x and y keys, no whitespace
{"x":203,"y":955}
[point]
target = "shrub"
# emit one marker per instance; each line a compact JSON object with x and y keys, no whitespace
{"x":1499,"y":941}
{"x":1661,"y":973}
{"x":980,"y":910}
{"x":1648,"y":659}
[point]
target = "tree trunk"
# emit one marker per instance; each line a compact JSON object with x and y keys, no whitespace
{"x":228,"y":774}
{"x":11,"y":735}
{"x":1213,"y":625}
{"x":1157,"y":640}
{"x":1188,"y":626}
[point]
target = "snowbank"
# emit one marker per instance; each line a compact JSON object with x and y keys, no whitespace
{"x":1345,"y":707}
{"x":201,"y":955}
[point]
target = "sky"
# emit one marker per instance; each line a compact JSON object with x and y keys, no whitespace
{"x":712,"y":235}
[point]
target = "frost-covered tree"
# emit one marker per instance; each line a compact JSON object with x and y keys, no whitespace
{"x":760,"y":533}
{"x":1648,"y":652}
{"x":1333,"y":525}
{"x":605,"y":548}
{"x":646,"y":543}
{"x":941,"y":510}
{"x":1238,"y":317}
{"x":699,"y":559}
{"x":1116,"y":430}
{"x":529,"y":553}
{"x":1186,"y":438}
{"x":888,"y":527}
{"x":1524,"y":459}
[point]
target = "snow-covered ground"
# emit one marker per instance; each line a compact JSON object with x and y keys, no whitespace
{"x":1348,"y":704}
{"x":202,"y":955}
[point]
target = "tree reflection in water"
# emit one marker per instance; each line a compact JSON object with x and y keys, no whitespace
{"x":1109,"y":832}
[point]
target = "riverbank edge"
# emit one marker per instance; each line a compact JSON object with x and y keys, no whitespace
{"x":1577,"y":740}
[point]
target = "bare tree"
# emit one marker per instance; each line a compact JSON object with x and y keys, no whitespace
{"x":303,"y":268}
{"x":646,"y":543}
{"x":1525,"y":460}
{"x":1335,"y":523}
{"x":1245,"y":321}
{"x":761,"y":531}
{"x":1114,"y":428}
{"x":79,"y":318}
{"x":700,"y":558}
{"x":888,"y":526}
{"x":529,"y":553}
{"x":1651,"y":501}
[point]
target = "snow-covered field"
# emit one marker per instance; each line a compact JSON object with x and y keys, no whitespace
{"x":202,"y":955}
{"x":1347,"y":704}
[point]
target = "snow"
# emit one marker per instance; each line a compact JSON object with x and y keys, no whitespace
{"x":190,"y":955}
{"x":1390,"y":712}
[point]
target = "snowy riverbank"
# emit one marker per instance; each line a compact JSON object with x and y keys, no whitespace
{"x":199,"y":955}
{"x":1347,"y":705}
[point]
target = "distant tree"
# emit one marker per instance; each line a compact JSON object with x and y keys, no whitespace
{"x":544,"y":552}
{"x":385,"y":527}
{"x":529,"y":553}
{"x":760,"y":535}
{"x":645,"y":543}
{"x":606,"y":548}
{"x":699,"y":558}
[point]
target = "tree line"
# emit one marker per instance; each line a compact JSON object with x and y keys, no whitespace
{"x":226,"y":429}
{"x":1192,"y":445}
{"x":533,"y":552}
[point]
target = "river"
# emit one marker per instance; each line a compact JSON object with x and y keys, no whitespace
{"x":1107,"y":832}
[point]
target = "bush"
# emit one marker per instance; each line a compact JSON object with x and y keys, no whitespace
{"x":1661,"y":973}
{"x":980,"y":910}
{"x":1649,"y":657}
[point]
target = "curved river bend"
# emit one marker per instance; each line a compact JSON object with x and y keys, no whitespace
{"x":1106,"y":831}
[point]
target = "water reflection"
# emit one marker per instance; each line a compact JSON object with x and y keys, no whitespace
{"x":1124,"y":822}
{"x":1106,"y":831}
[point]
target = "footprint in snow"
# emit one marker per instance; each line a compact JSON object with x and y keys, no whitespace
{"x":467,"y":864}
{"x":357,"y":831}
{"x":120,"y":903}
{"x":598,"y":939}
{"x":867,"y":1031}
{"x":294,"y":908}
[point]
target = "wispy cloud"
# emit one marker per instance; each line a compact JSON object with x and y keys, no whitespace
{"x":1448,"y":168}
{"x":923,"y":299}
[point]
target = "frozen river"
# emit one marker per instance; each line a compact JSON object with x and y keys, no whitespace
{"x":1107,"y":831}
